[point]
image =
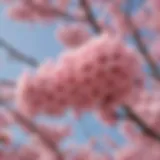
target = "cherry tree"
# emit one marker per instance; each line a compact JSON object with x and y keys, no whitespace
{"x":108,"y":44}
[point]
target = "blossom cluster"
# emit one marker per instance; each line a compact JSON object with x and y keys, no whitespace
{"x":102,"y":72}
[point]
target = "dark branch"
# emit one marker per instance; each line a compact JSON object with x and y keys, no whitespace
{"x":17,"y":54}
{"x":139,"y":42}
{"x":146,"y":129}
{"x":144,"y":51}
{"x":90,"y":16}
{"x":7,"y":82}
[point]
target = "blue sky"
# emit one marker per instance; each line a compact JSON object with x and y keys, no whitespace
{"x":35,"y":40}
{"x":39,"y":42}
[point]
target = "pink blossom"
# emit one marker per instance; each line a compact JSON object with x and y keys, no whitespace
{"x":99,"y":72}
{"x":6,"y":118}
{"x":21,"y":13}
{"x":32,"y":11}
{"x":67,"y":33}
{"x":7,"y":93}
{"x":137,"y":152}
{"x":5,"y":138}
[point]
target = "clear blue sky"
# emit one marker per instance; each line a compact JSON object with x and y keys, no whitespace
{"x":35,"y":40}
{"x":39,"y":42}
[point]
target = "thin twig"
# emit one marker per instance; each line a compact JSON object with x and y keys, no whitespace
{"x":7,"y":82}
{"x":17,"y":54}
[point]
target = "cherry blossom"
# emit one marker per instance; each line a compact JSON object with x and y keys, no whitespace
{"x":96,"y":77}
{"x":101,"y":72}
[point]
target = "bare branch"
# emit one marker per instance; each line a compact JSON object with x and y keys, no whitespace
{"x":90,"y":16}
{"x":7,"y":82}
{"x":17,"y":54}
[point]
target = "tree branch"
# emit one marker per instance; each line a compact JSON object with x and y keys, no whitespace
{"x":97,"y":29}
{"x":32,"y":127}
{"x":13,"y":52}
{"x":146,"y":129}
{"x":144,"y":51}
{"x":17,"y":54}
{"x":147,"y":57}
{"x":90,"y":16}
{"x":7,"y":82}
{"x":139,"y":42}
